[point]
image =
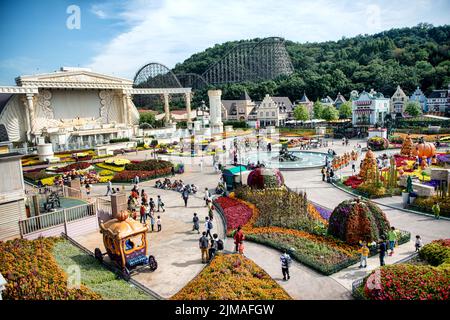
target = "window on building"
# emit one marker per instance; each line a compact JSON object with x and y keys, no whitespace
{"x":273,"y":113}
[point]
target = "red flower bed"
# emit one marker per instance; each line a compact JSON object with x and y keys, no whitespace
{"x":443,"y":242}
{"x":400,"y":160}
{"x":74,"y":166}
{"x":128,"y":175}
{"x":236,"y":213}
{"x":353,"y":181}
{"x":409,"y":282}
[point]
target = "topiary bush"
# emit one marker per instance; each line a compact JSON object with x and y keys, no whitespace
{"x":261,"y":178}
{"x":378,"y":143}
{"x":352,"y":221}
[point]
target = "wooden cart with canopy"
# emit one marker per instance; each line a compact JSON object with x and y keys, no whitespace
{"x":126,"y":244}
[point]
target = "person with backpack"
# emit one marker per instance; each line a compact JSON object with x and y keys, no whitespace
{"x":214,"y":246}
{"x":196,"y":226}
{"x":203,"y":245}
{"x":208,"y":226}
{"x":285,"y":263}
{"x":238,"y":238}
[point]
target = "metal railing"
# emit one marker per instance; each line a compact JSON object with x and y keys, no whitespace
{"x":56,"y":218}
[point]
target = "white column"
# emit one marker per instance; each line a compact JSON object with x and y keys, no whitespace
{"x":129,"y":105}
{"x":215,"y":111}
{"x":31,"y":114}
{"x":125,"y":108}
{"x":166,"y":108}
{"x":188,"y":106}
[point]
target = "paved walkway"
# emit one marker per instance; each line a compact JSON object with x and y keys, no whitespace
{"x":175,"y":247}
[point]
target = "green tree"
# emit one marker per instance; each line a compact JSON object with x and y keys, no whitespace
{"x":301,"y":113}
{"x":345,"y":110}
{"x":413,"y":108}
{"x":317,"y":110}
{"x":330,"y":113}
{"x":147,"y":117}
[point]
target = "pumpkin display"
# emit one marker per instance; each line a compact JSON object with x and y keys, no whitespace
{"x":425,"y":149}
{"x":122,"y":215}
{"x":407,"y":147}
{"x":368,"y":167}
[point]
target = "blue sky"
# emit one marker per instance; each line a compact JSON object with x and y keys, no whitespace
{"x":117,"y":37}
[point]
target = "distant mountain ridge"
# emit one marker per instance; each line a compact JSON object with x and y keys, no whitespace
{"x":409,"y":57}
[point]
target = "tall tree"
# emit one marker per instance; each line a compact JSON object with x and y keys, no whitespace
{"x":413,"y":108}
{"x":301,"y":113}
{"x":345,"y":110}
{"x":318,"y":109}
{"x":330,"y":113}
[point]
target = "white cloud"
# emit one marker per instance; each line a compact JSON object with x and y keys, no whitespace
{"x":169,"y":31}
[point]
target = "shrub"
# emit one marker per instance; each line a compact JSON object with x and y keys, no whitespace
{"x":37,"y":175}
{"x":352,"y":222}
{"x":119,"y":140}
{"x":261,"y":178}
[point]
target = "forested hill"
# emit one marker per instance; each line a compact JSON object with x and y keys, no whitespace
{"x":409,"y":57}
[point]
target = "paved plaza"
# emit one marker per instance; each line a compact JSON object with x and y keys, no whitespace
{"x":176,"y":246}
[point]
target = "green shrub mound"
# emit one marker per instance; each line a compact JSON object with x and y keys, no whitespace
{"x":352,"y":221}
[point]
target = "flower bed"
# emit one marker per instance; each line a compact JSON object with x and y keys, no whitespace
{"x":424,"y":204}
{"x":74,"y":166}
{"x":353,"y":181}
{"x":232,"y":277}
{"x":378,"y":143}
{"x":110,"y":167}
{"x":149,"y":165}
{"x":128,"y":175}
{"x":32,"y":273}
{"x":236,"y":213}
{"x":410,"y":281}
{"x":320,"y":252}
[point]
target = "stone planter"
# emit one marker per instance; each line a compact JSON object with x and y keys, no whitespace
{"x":411,"y":200}
{"x":405,"y":198}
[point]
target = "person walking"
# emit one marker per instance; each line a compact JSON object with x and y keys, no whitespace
{"x":185,"y":196}
{"x":214,"y":246}
{"x":353,"y":167}
{"x":436,"y":210}
{"x":208,"y":226}
{"x":207,"y":197}
{"x":88,"y":188}
{"x":323,"y":171}
{"x":172,"y":171}
{"x":108,"y":188}
{"x":160,"y":204}
{"x":136,"y":180}
{"x":152,"y":220}
{"x":419,"y":243}
{"x":158,"y":223}
{"x":383,"y":249}
{"x":195,"y":221}
{"x":143,"y":214}
{"x":364,"y":253}
{"x":238,"y":239}
{"x":151,"y":203}
{"x":203,"y":245}
{"x":392,"y":237}
{"x":286,"y":261}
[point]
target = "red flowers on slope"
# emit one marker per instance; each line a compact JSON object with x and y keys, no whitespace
{"x":236,"y":213}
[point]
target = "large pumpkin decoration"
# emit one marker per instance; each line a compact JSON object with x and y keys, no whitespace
{"x":122,"y":215}
{"x":425,"y":149}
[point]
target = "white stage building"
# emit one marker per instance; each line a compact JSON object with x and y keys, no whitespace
{"x":73,"y":108}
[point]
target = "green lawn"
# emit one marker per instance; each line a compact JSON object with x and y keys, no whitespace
{"x":95,"y":276}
